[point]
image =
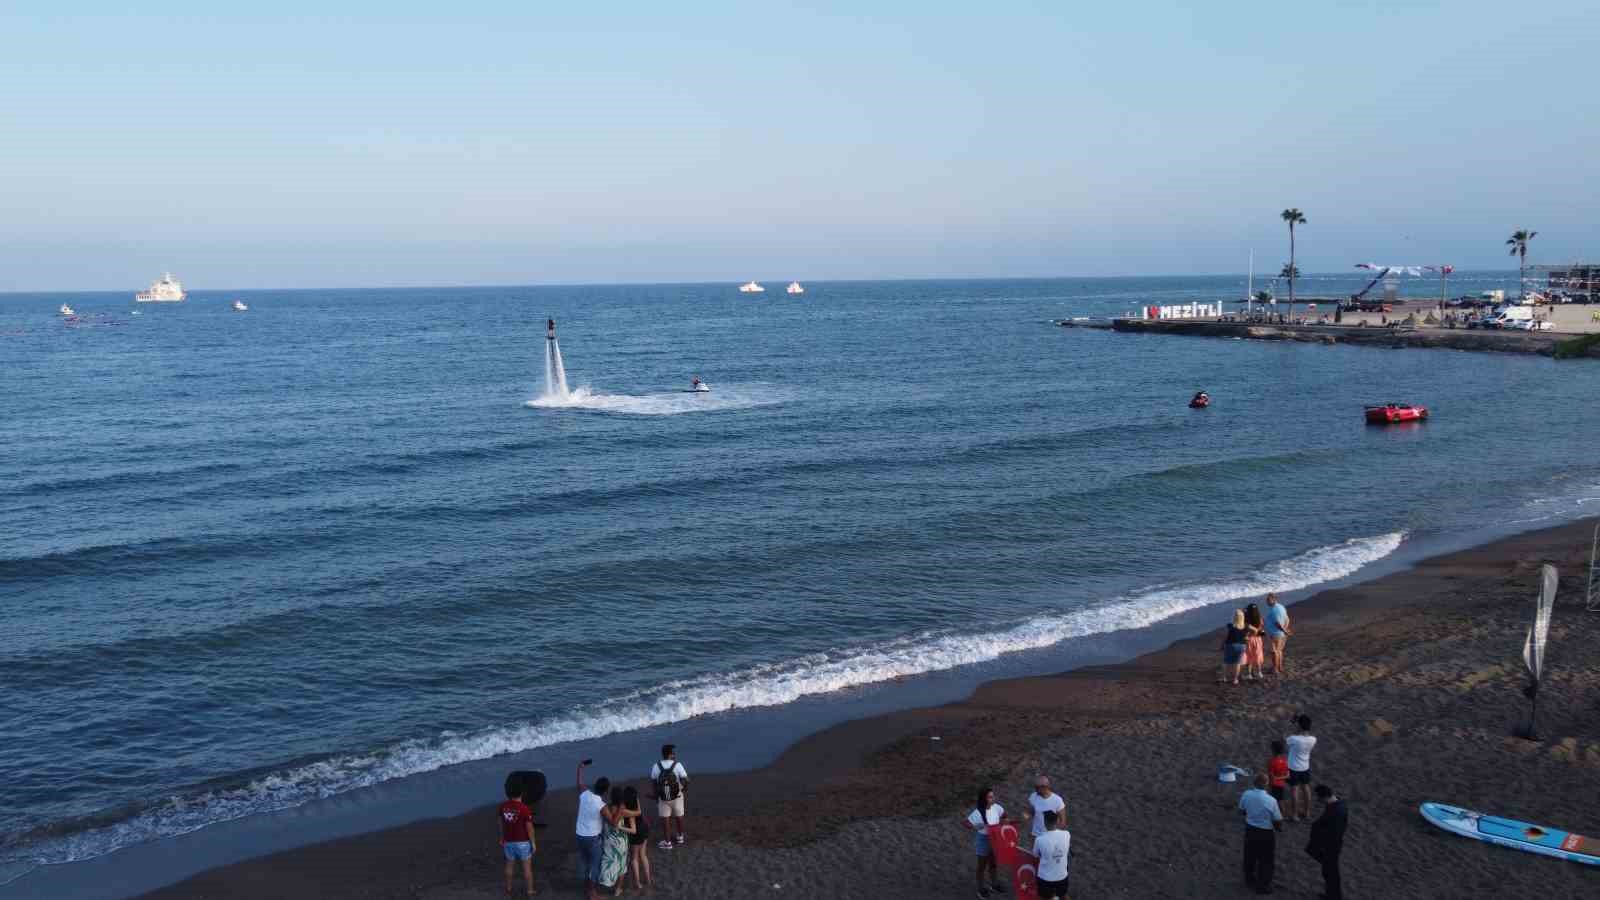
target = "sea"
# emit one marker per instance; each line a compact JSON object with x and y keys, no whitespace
{"x":258,"y":564}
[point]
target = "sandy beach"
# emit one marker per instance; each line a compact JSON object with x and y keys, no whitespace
{"x":1413,"y":681}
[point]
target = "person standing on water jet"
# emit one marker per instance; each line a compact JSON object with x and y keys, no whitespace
{"x":549,"y":329}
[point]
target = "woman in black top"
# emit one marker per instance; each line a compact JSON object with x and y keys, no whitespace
{"x":639,"y":841}
{"x":1233,"y":647}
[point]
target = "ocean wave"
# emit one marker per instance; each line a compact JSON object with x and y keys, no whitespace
{"x":667,"y":404}
{"x":764,"y":685}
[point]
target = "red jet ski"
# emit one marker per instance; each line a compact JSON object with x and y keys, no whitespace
{"x":1391,"y":413}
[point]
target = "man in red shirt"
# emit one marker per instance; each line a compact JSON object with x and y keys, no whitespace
{"x":516,"y":835}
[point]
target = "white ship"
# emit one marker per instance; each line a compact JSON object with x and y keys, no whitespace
{"x":68,"y":311}
{"x":751,"y":288}
{"x":166,"y":289}
{"x":238,"y":306}
{"x":795,"y":288}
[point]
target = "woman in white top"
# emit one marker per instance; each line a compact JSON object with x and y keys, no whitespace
{"x":984,"y":813}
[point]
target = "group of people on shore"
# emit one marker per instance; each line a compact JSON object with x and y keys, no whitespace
{"x":1251,"y":637}
{"x":1286,"y":780}
{"x":613,"y":830}
{"x":1052,"y":842}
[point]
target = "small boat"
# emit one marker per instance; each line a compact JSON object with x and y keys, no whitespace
{"x":750,"y":287}
{"x":67,"y":310}
{"x":795,"y":288}
{"x":1514,"y":834}
{"x":238,"y":306}
{"x":1390,"y":413}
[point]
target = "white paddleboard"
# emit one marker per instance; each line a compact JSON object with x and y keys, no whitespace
{"x":1514,"y":834}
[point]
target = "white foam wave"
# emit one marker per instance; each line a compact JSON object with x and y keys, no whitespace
{"x":772,"y":684}
{"x":666,"y":404}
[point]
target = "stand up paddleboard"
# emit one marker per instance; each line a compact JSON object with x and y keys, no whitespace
{"x":1516,"y":835}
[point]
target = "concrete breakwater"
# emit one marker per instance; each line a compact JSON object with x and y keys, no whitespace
{"x":1541,"y":343}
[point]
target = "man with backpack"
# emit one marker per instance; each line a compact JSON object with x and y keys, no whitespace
{"x":669,"y":781}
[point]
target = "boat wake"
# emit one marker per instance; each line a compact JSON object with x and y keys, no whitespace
{"x":667,"y":404}
{"x":772,"y":684}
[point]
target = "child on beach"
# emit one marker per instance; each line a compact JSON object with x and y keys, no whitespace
{"x":1278,"y":772}
{"x":516,"y":836}
{"x":1299,"y":752}
{"x":985,"y":812}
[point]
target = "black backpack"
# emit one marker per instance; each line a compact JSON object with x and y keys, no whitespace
{"x":668,"y":787}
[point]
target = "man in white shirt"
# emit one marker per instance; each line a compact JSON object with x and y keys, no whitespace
{"x":1299,"y":753}
{"x":1262,"y":821}
{"x":1052,"y":849}
{"x":1043,"y":800}
{"x":670,"y":781}
{"x":590,"y":825}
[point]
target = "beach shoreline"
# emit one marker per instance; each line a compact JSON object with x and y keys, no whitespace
{"x":1146,"y":732}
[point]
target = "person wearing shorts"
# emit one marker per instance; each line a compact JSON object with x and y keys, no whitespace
{"x":1299,"y":751}
{"x":1278,"y":631}
{"x":516,"y":836}
{"x":1051,"y":850}
{"x":1233,"y":644}
{"x":670,"y":809}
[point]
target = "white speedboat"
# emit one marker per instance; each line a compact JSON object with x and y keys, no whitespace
{"x":750,"y":287}
{"x":67,"y":310}
{"x":165,"y":289}
{"x":795,"y":288}
{"x":238,"y":306}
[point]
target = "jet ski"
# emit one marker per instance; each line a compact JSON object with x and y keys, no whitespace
{"x":698,"y":387}
{"x":1200,"y":401}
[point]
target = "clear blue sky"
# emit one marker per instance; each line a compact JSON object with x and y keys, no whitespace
{"x":501,"y":142}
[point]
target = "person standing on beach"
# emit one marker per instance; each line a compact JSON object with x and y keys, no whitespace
{"x":985,"y":812}
{"x":1262,"y":822}
{"x":1278,"y":772}
{"x":670,"y":781}
{"x":1299,"y":746}
{"x":1044,"y":801}
{"x":1278,"y":631}
{"x":1233,"y":648}
{"x":638,"y":841}
{"x":1327,"y":841}
{"x":591,"y":824}
{"x":1052,"y":849}
{"x":1254,"y":649}
{"x":516,"y":836}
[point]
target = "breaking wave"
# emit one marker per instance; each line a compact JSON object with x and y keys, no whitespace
{"x":772,"y":684}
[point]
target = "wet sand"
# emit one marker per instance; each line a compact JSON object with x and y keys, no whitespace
{"x":1414,"y":681}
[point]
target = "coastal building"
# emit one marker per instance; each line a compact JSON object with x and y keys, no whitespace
{"x":1579,"y":282}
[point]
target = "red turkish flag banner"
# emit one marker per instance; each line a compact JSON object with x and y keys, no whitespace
{"x":1020,"y":863}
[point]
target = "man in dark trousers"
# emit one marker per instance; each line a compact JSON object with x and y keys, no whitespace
{"x":1327,"y":840}
{"x":1262,"y":822}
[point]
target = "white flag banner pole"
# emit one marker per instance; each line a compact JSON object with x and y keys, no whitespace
{"x":1533,"y":646}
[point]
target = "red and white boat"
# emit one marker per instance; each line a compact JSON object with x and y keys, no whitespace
{"x":1390,"y":413}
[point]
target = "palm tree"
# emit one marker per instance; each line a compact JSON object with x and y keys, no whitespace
{"x":1518,"y":242}
{"x":1293,"y":217}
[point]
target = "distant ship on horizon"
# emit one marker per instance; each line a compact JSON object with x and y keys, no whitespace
{"x":751,"y":288}
{"x":165,"y":289}
{"x":795,"y":288}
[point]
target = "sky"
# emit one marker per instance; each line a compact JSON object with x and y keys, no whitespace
{"x":516,"y":143}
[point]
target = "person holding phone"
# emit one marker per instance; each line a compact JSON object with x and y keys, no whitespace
{"x":590,"y":826}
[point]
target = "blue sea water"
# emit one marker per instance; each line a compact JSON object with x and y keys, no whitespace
{"x":248,"y":560}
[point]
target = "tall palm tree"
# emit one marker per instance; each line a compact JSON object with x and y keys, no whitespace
{"x":1293,"y":217}
{"x":1518,"y":242}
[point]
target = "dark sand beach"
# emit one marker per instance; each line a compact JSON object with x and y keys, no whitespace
{"x":1413,"y":679}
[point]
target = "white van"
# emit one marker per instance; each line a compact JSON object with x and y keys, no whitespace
{"x":1509,"y":316}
